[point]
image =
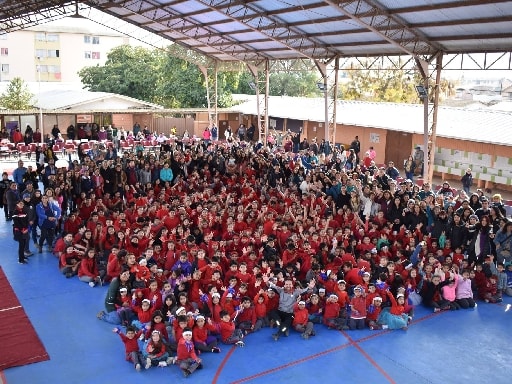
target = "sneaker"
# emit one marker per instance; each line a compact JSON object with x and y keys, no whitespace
{"x":286,"y":332}
{"x":169,"y":361}
{"x":22,"y":262}
{"x":305,"y":336}
{"x":91,"y":284}
{"x":186,"y":372}
{"x":384,"y":326}
{"x":372,"y":327}
{"x":69,"y":275}
{"x":162,"y":364}
{"x":28,"y":253}
{"x":436,"y":310}
{"x":100,"y":315}
{"x":216,"y":350}
{"x":148,"y":363}
{"x":345,"y":328}
{"x":39,"y":249}
{"x":137,"y":367}
{"x":275,"y":336}
{"x":240,"y":344}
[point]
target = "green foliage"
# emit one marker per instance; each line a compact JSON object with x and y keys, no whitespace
{"x":158,"y":77}
{"x":129,"y":71}
{"x":384,"y":85}
{"x":17,"y":96}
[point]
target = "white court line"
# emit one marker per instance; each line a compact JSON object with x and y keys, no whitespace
{"x":8,"y":309}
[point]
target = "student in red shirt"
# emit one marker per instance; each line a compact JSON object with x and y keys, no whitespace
{"x":131,"y":346}
{"x":301,"y":321}
{"x":186,"y":356}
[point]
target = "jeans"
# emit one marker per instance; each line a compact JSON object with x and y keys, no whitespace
{"x":47,"y":234}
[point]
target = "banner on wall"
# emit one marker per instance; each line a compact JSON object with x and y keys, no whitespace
{"x":84,"y":119}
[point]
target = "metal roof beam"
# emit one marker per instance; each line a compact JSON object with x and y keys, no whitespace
{"x":454,"y":4}
{"x":188,"y":29}
{"x":366,"y":13}
{"x":256,"y":19}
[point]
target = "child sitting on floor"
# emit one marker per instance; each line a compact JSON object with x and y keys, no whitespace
{"x":186,"y":357}
{"x":228,"y":332}
{"x":332,"y":317}
{"x":395,"y":317}
{"x":131,"y":346}
{"x":301,"y":321}
{"x":373,"y":313}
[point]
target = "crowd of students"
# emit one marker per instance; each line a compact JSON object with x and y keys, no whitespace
{"x":206,"y":242}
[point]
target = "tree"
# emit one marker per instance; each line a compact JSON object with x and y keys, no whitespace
{"x":379,"y":84}
{"x":17,"y":96}
{"x":129,"y":71}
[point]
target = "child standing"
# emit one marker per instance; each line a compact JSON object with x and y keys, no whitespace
{"x":131,"y":345}
{"x":357,"y":309}
{"x":187,"y":358}
{"x":502,"y":279}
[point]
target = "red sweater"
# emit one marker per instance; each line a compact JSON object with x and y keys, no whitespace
{"x":358,"y":305}
{"x":226,"y":329}
{"x":130,"y":345}
{"x":300,"y":316}
{"x":184,"y":352}
{"x":331,"y":311}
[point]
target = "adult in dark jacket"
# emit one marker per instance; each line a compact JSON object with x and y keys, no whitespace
{"x":457,"y":232}
{"x":432,"y":295}
{"x":440,"y":225}
{"x":20,"y":230}
{"x":113,"y":297}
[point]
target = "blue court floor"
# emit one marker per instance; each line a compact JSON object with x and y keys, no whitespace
{"x":450,"y":347}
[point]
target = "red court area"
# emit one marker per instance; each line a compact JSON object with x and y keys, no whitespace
{"x":20,"y":342}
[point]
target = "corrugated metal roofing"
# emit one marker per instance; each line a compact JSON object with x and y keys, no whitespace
{"x":319,"y":30}
{"x":487,"y":126}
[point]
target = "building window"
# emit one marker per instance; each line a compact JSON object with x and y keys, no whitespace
{"x":3,"y":36}
{"x":42,"y":68}
{"x":54,"y":69}
{"x":52,"y":37}
{"x":95,"y":39}
{"x":96,"y":55}
{"x":4,"y":51}
{"x":87,"y":39}
{"x":5,"y":68}
{"x":40,"y":36}
{"x":87,"y":54}
{"x":40,"y":53}
{"x":53,"y":53}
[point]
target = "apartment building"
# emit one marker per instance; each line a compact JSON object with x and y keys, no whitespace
{"x":55,"y":53}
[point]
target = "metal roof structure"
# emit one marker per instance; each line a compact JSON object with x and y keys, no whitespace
{"x":240,"y":30}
